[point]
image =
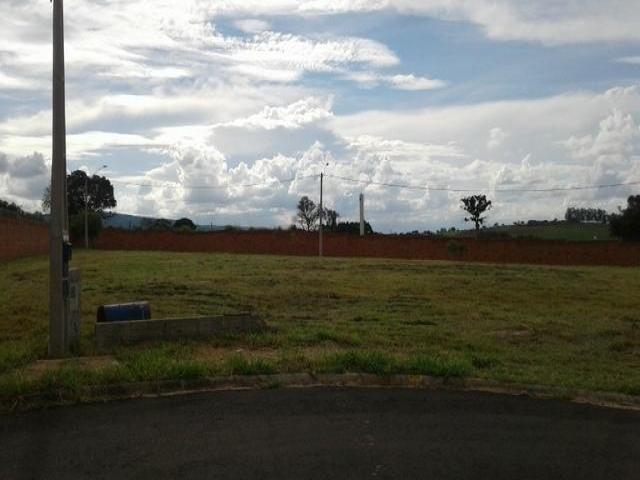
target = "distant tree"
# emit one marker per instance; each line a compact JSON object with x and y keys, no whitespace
{"x":94,"y":225}
{"x":184,"y":224}
{"x":626,"y":224}
{"x":330,"y":219}
{"x":475,"y":206}
{"x":582,"y":215}
{"x":158,"y":224}
{"x":307,"y":215}
{"x":12,"y":209}
{"x":99,"y":194}
{"x":353,"y":228}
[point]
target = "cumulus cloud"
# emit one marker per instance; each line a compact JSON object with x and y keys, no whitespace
{"x":496,"y":137}
{"x":219,"y":95}
{"x":23,"y":179}
{"x":252,"y":25}
{"x":293,"y":116}
{"x":594,"y":141}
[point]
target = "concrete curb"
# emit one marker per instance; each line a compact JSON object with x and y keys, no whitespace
{"x":165,"y":388}
{"x":110,"y":335}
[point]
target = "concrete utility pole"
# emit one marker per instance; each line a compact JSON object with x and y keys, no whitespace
{"x":58,"y":227}
{"x":362,"y":215}
{"x":86,"y":212}
{"x":86,"y":206}
{"x":321,"y":217}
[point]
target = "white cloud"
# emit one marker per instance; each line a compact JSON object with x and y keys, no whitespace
{"x":136,"y":42}
{"x":164,"y":92}
{"x":413,"y":83}
{"x":252,"y":25}
{"x":23,"y":179}
{"x":274,"y":51}
{"x":550,"y":22}
{"x":410,"y":82}
{"x":497,"y":136}
{"x":595,"y":140}
{"x":15,"y":83}
{"x":293,"y":116}
{"x":630,"y":60}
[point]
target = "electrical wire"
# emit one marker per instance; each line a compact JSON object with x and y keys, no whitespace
{"x":381,"y":184}
{"x":212,"y":187}
{"x":469,"y":190}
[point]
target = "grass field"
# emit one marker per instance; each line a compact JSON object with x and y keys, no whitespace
{"x":575,"y":232}
{"x":574,"y":327}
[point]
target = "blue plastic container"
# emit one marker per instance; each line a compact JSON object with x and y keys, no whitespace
{"x":124,"y":312}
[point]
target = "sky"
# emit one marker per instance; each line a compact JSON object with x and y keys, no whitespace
{"x":226,"y":111}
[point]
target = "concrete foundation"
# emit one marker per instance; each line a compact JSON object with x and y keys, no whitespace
{"x":113,"y":334}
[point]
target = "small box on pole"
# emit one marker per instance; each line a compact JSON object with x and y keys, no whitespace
{"x":362,"y":215}
{"x":74,"y":314}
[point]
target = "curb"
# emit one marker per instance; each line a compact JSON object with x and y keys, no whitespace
{"x":166,"y":388}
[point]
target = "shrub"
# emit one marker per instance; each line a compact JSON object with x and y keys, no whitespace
{"x":94,"y":223}
{"x":626,"y":225}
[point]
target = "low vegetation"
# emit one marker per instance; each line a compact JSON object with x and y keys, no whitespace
{"x":572,"y":327}
{"x":559,"y":230}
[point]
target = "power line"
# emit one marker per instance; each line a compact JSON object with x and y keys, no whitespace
{"x":213,"y":187}
{"x":470,"y":190}
{"x":175,"y":185}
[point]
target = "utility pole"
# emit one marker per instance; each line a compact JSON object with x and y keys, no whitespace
{"x":86,"y":212}
{"x":321,"y":217}
{"x":361,"y":214}
{"x":58,"y":227}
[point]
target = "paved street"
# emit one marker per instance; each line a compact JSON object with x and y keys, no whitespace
{"x":323,"y":433}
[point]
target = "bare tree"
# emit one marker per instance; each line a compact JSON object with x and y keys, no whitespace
{"x":307,"y":214}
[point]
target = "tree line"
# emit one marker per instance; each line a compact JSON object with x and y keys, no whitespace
{"x":98,"y":198}
{"x":308,"y":216}
{"x":584,"y":215}
{"x":625,"y":224}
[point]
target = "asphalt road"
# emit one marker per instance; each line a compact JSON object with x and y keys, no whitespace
{"x":323,"y":433}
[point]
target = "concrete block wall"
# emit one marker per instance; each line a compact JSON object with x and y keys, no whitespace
{"x":541,"y":252}
{"x":22,"y":237}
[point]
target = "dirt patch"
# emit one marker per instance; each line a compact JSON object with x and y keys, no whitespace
{"x":40,"y":367}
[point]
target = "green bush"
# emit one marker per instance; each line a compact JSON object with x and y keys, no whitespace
{"x":94,"y":224}
{"x":626,"y":225}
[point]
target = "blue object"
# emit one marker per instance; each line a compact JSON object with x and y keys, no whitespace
{"x":124,"y":312}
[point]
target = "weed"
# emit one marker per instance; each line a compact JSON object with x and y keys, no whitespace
{"x":239,"y":365}
{"x":437,"y":366}
{"x":355,"y":361}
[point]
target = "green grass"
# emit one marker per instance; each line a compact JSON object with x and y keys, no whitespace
{"x":574,"y":327}
{"x":564,"y":231}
